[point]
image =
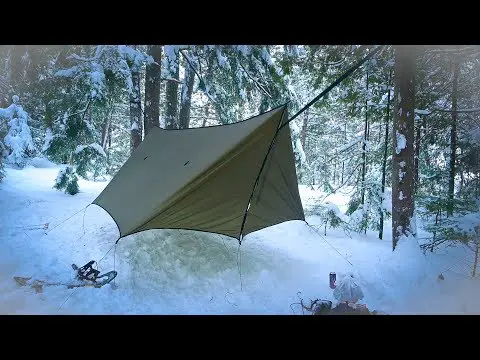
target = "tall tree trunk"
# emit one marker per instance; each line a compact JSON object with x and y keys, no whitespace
{"x":207,"y":112}
{"x":453,"y":138}
{"x":303,"y":133}
{"x":89,"y":120}
{"x":477,"y":240}
{"x":477,"y":192}
{"x":343,"y":162}
{"x":109,"y":137}
{"x":385,"y":153}
{"x":343,"y":169}
{"x":334,"y":168}
{"x":462,"y":178}
{"x":17,"y":67}
{"x":418,"y":135}
{"x":418,"y":145}
{"x":106,"y":125}
{"x":364,"y":147}
{"x":403,"y":155}
{"x":477,"y":185}
{"x":34,"y":58}
{"x":136,"y":123}
{"x":186,"y":98}
{"x":364,"y":156}
{"x":303,"y":137}
{"x":474,"y":270}
{"x":171,"y":111}
{"x":152,"y":89}
{"x":105,"y":132}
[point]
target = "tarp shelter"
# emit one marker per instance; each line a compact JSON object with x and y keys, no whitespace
{"x":229,"y":179}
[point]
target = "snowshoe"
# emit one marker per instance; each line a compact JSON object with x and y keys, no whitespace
{"x":88,"y":273}
{"x":86,"y":276}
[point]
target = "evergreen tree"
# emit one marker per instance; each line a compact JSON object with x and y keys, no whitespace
{"x":18,"y":142}
{"x":67,"y":181}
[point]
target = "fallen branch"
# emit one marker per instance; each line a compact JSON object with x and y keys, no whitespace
{"x":316,"y":307}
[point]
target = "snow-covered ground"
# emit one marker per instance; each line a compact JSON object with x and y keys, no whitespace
{"x":185,"y":272}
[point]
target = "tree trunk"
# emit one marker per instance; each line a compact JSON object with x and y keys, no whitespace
{"x":334,"y":168}
{"x":453,"y":138}
{"x":417,"y":156}
{"x":303,"y":137}
{"x":17,"y":66}
{"x":207,"y":112}
{"x":403,"y":154}
{"x":474,"y":270}
{"x":152,"y":89}
{"x":462,"y":178}
{"x":385,"y":154}
{"x":422,"y":126}
{"x":105,"y":132}
{"x":109,"y":137}
{"x":478,"y":185}
{"x":171,"y":111}
{"x":186,"y":98}
{"x":364,"y":156}
{"x":343,"y":162}
{"x":34,"y":58}
{"x":303,"y":133}
{"x":136,"y":123}
{"x":364,"y":146}
{"x":89,"y":114}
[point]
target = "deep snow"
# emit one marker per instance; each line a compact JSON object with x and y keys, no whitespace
{"x":185,"y":272}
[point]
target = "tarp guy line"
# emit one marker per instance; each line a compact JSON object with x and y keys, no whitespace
{"x":335,"y":83}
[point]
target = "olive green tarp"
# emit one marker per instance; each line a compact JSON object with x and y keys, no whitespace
{"x":229,"y":179}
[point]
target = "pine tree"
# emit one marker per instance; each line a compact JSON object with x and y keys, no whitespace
{"x":18,"y":142}
{"x":67,"y":181}
{"x":90,"y":86}
{"x":403,"y":223}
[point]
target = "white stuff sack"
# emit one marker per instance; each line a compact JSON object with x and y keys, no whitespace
{"x":348,"y":289}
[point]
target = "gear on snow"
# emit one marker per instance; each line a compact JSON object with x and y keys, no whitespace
{"x":86,"y":276}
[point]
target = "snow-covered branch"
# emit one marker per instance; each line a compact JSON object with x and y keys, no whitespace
{"x":342,"y":184}
{"x":171,"y":79}
{"x":446,"y":50}
{"x":198,"y":75}
{"x":255,"y":81}
{"x":81,"y":58}
{"x":428,"y":112}
{"x":119,"y":127}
